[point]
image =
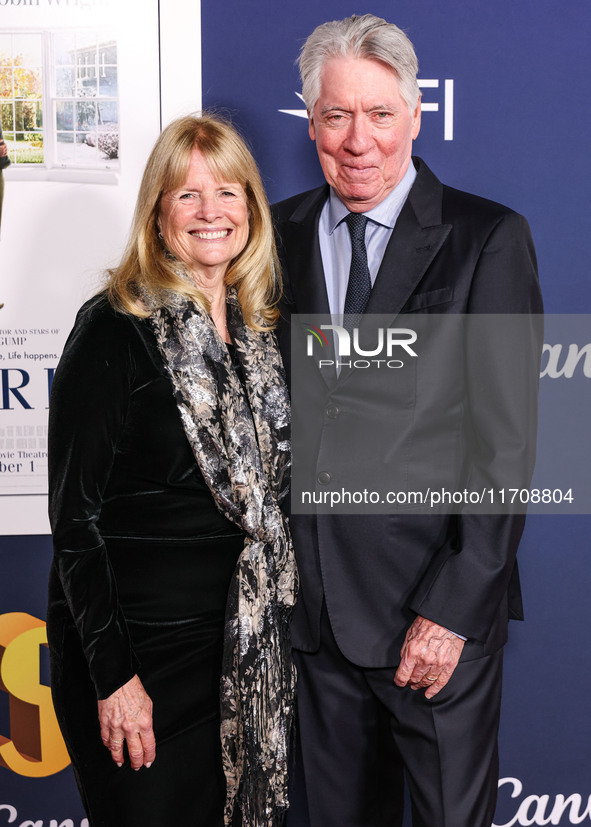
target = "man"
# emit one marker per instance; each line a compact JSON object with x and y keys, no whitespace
{"x":401,"y":619}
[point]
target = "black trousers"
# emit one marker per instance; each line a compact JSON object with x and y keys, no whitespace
{"x":360,"y":735}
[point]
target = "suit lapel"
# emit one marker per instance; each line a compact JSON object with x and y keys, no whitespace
{"x":415,"y":241}
{"x":304,"y":259}
{"x":303,"y":255}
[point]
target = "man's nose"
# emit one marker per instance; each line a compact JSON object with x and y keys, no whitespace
{"x":359,"y":137}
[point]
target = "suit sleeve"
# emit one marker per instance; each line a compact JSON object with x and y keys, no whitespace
{"x":89,"y":399}
{"x":465,"y":584}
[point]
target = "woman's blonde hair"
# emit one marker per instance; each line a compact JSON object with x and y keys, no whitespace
{"x":147,"y":265}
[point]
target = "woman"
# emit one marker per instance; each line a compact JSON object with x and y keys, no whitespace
{"x":168,"y":458}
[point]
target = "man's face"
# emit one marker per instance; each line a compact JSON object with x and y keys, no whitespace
{"x":363,"y":130}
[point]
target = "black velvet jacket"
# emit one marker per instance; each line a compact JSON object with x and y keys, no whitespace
{"x":120,"y":466}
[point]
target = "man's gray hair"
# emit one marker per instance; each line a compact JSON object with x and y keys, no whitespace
{"x":367,"y":37}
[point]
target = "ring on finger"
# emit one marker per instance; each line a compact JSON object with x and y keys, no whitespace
{"x":114,"y":741}
{"x":430,"y":678}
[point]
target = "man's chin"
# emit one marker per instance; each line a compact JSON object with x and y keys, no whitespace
{"x":360,"y":198}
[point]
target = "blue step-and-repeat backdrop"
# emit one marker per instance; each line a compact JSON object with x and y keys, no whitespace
{"x":506,"y":114}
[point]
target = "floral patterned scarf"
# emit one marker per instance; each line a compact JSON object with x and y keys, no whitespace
{"x":240,"y":440}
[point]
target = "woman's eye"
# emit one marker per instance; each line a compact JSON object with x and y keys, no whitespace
{"x":186,"y":196}
{"x":228,"y":194}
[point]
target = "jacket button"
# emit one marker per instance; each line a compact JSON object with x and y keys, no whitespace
{"x":324,"y":478}
{"x":332,"y":411}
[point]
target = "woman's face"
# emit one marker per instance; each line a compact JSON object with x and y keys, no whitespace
{"x":204,"y":223}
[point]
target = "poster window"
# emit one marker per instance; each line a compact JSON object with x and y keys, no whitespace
{"x":59,"y":104}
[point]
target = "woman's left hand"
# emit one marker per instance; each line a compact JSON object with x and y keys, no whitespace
{"x":126,"y":715}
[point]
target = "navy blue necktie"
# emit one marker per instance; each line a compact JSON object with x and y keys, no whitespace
{"x":359,"y":284}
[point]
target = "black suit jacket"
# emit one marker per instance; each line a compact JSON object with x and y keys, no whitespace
{"x":450,"y":252}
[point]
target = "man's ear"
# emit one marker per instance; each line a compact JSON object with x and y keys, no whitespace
{"x":416,"y":119}
{"x":311,"y":127}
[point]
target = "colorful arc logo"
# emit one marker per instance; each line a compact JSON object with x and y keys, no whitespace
{"x":318,"y":334}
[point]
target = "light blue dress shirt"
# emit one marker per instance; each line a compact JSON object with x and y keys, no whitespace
{"x":335,"y":240}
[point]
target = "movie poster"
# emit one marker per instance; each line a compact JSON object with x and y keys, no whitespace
{"x":80,"y":110}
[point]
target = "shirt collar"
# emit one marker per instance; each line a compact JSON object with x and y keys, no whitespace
{"x":385,"y":213}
